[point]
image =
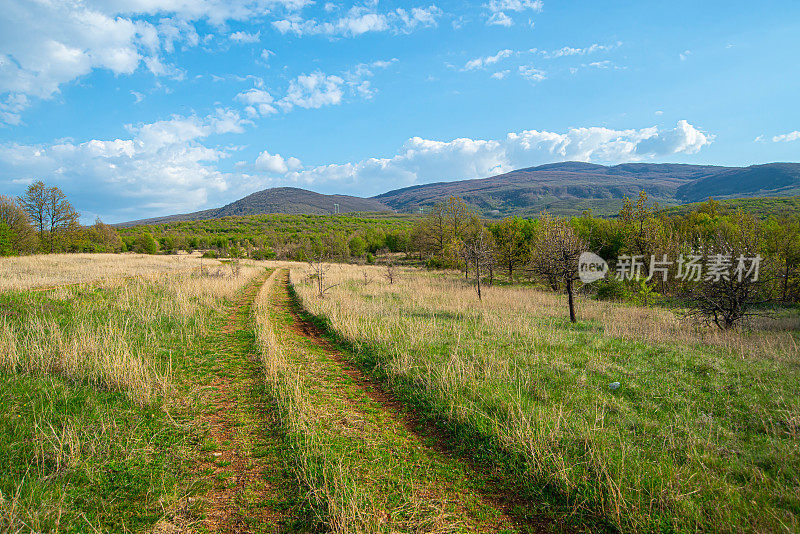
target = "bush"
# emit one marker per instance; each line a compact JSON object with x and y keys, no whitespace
{"x":145,"y":244}
{"x":433,"y":263}
{"x":210,"y":254}
{"x":370,"y":258}
{"x":610,"y":289}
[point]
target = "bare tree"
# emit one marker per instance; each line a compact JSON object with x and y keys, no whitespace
{"x":319,"y":271}
{"x":735,"y":283}
{"x":555,"y":255}
{"x":367,"y":279}
{"x":390,"y":272}
{"x":478,"y":251}
{"x":59,"y":214}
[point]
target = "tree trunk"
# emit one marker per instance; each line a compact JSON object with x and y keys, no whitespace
{"x":478,"y":277}
{"x":491,"y":275}
{"x":511,"y":271}
{"x":785,"y":280}
{"x":571,"y":301}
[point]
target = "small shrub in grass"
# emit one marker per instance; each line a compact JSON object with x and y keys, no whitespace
{"x":370,"y":258}
{"x":609,"y":289}
{"x":210,"y":254}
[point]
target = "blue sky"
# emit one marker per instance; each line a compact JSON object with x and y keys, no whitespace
{"x":152,"y":107}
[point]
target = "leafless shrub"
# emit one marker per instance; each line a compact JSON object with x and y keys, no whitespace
{"x":391,"y":273}
{"x":318,"y":275}
{"x":737,"y":290}
{"x":555,"y":255}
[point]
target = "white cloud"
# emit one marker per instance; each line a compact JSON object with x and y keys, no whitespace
{"x":163,"y":165}
{"x":532,"y":74}
{"x":499,"y":19}
{"x":567,"y":51}
{"x":481,"y":62}
{"x":497,"y":10}
{"x":275,"y":163}
{"x":685,"y":55}
{"x":46,"y":44}
{"x":314,"y":90}
{"x":423,"y":160}
{"x":244,"y":37}
{"x":363,"y":19}
{"x":168,"y":166}
{"x":501,"y":74}
{"x":265,"y":54}
{"x":258,"y":102}
{"x":787,"y":137}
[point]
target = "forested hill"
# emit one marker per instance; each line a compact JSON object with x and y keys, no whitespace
{"x":567,"y":188}
{"x":288,"y":200}
{"x":572,"y":187}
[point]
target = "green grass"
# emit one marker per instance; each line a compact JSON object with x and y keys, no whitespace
{"x":366,"y":469}
{"x":76,"y":452}
{"x":696,"y":438}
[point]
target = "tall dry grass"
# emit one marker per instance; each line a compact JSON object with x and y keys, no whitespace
{"x":112,"y":334}
{"x":701,"y":435}
{"x":347,"y":458}
{"x":83,"y":371}
{"x":47,"y":270}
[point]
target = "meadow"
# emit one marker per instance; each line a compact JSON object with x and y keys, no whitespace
{"x":180,"y":394}
{"x":93,"y":433}
{"x":701,"y":434}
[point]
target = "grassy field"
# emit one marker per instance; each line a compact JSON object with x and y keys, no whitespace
{"x":94,"y":435}
{"x":701,"y":434}
{"x":143,"y":394}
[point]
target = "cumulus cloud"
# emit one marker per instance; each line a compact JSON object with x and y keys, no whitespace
{"x":258,"y":102}
{"x":162,"y":163}
{"x":275,"y":163}
{"x":497,"y":10}
{"x":244,"y":37}
{"x":424,"y":160}
{"x":44,"y":45}
{"x":314,"y":90}
{"x":485,"y":61}
{"x":363,"y":19}
{"x":787,"y":137}
{"x":170,"y":165}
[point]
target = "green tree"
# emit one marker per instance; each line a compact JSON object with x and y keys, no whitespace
{"x":358,"y":246}
{"x":20,"y":233}
{"x":782,"y":243}
{"x":145,"y":244}
{"x":511,"y":247}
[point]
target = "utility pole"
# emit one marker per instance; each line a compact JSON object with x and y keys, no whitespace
{"x":336,"y":209}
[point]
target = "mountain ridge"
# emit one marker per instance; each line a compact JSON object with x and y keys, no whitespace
{"x":564,"y":188}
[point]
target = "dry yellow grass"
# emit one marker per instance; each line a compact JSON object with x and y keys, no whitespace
{"x":47,"y":270}
{"x":112,"y":335}
{"x":512,"y":367}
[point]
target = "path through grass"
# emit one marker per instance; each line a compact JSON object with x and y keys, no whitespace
{"x":368,"y":463}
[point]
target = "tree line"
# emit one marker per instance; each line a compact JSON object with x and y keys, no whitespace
{"x":647,"y":251}
{"x":42,"y":220}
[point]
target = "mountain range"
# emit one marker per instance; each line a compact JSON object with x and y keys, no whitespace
{"x":566,"y":188}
